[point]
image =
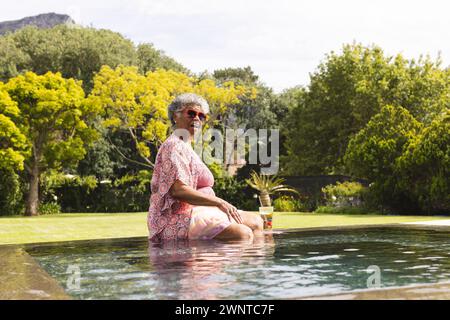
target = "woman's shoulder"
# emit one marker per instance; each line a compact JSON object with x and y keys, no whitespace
{"x":173,"y":144}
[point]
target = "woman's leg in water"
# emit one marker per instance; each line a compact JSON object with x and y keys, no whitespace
{"x":253,"y":221}
{"x":252,"y":226}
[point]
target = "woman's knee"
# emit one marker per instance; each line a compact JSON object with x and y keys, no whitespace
{"x":254,"y":221}
{"x":236,"y":232}
{"x":259,"y":222}
{"x":245,"y":232}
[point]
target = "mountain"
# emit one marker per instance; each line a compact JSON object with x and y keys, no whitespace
{"x":45,"y":20}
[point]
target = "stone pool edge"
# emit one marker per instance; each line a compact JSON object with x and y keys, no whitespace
{"x":437,"y":291}
{"x":425,"y":225}
{"x":22,"y":278}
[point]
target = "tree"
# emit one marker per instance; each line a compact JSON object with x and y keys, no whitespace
{"x":287,"y":101}
{"x":76,"y":52}
{"x":151,"y":59}
{"x":13,"y":145}
{"x":243,"y":76}
{"x":263,"y":109}
{"x":253,"y":111}
{"x":53,"y":118}
{"x":373,"y":154}
{"x":425,"y":166}
{"x":11,"y":202}
{"x":346,"y":91}
{"x":137,"y":104}
{"x":12,"y":59}
{"x":101,"y":160}
{"x":13,"y":148}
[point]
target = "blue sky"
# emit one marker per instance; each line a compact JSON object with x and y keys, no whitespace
{"x":282,"y":40}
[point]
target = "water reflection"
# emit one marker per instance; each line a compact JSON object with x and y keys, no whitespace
{"x":201,"y":269}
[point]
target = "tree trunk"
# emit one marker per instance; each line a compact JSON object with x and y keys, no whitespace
{"x":265,"y":199}
{"x":33,"y":194}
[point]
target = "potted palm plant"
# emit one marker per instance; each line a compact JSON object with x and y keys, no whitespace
{"x":267,"y":185}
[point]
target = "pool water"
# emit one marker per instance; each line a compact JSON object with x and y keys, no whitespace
{"x":282,"y":265}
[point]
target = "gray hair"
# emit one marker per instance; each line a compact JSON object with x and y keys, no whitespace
{"x":184,"y":100}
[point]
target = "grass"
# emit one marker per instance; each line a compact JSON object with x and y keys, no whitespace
{"x":65,"y":227}
{"x":315,"y":220}
{"x":84,"y":226}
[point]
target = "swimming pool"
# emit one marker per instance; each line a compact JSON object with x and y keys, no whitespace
{"x":291,"y":264}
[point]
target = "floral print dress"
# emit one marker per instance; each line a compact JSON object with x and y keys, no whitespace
{"x":169,"y":218}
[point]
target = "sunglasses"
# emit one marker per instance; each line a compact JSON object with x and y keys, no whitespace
{"x":192,"y":114}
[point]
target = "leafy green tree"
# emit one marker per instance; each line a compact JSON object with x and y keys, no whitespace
{"x":13,"y":148}
{"x":253,"y":111}
{"x":292,"y":98}
{"x":373,"y":154}
{"x":263,"y":109}
{"x":137,"y":105}
{"x":54,"y":119}
{"x":76,"y":52}
{"x":425,"y":166}
{"x":334,"y":108}
{"x":10,"y":193}
{"x":12,"y":59}
{"x":13,"y":144}
{"x":100,"y":160}
{"x":287,"y":101}
{"x":243,"y":76}
{"x":151,"y":59}
{"x":346,"y":91}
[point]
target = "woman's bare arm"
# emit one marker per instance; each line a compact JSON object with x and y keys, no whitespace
{"x":187,"y":194}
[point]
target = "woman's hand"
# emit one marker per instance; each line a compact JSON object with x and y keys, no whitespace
{"x":230,"y":210}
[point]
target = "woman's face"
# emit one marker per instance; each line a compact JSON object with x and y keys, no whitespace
{"x":191,"y":118}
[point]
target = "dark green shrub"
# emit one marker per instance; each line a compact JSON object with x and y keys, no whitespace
{"x":284,"y":204}
{"x":345,"y":210}
{"x":11,"y":194}
{"x":291,"y":204}
{"x":49,"y":208}
{"x":346,"y":194}
{"x":130,"y":193}
{"x":236,"y":192}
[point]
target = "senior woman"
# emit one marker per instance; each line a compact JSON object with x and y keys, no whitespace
{"x":183,"y":204}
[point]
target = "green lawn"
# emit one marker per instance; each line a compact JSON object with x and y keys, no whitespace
{"x":83,"y":226}
{"x":315,"y":220}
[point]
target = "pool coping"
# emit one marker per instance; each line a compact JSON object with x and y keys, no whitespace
{"x":22,"y":278}
{"x":434,"y":291}
{"x":401,"y":225}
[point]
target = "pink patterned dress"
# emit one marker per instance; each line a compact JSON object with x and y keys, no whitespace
{"x":169,"y":218}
